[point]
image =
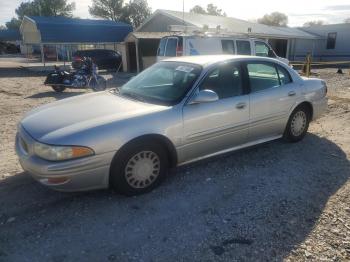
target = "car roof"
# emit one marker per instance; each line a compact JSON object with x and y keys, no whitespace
{"x":215,"y":36}
{"x":207,"y":60}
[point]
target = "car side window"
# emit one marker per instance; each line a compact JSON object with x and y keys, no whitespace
{"x":243,"y":47}
{"x":262,"y":76}
{"x":284,"y":76}
{"x":225,"y":81}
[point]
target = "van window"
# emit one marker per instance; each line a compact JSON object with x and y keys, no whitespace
{"x":161,"y":48}
{"x":263,"y":49}
{"x":228,"y":47}
{"x":171,"y":47}
{"x":243,"y":47}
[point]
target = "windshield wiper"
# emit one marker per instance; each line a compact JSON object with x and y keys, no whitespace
{"x":133,"y":96}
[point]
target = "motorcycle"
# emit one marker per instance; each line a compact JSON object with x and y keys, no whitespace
{"x":85,"y":77}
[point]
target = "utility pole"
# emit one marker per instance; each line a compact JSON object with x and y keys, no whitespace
{"x":183,"y":12}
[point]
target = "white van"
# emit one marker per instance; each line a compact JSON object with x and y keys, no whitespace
{"x":181,"y":45}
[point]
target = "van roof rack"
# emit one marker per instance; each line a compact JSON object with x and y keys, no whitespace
{"x":205,"y":31}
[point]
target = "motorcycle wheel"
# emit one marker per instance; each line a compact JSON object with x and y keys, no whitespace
{"x":99,"y":85}
{"x":58,"y":89}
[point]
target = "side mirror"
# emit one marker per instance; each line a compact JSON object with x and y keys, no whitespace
{"x":205,"y":96}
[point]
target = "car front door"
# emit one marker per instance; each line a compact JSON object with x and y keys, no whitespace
{"x":272,"y":96}
{"x":210,"y":127}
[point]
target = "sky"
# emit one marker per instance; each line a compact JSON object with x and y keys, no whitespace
{"x":298,"y":11}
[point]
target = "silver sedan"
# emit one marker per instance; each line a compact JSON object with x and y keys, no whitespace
{"x":175,"y":112}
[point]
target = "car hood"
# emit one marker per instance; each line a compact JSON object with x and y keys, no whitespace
{"x":82,"y":112}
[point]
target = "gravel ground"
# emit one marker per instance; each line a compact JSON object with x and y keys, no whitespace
{"x":276,"y":201}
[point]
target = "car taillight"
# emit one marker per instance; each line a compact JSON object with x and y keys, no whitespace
{"x":77,"y":58}
{"x":324,"y":84}
{"x":179,"y":51}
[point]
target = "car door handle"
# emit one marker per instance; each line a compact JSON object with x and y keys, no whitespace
{"x":241,"y":105}
{"x":291,"y":93}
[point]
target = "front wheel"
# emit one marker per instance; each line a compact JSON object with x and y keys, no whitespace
{"x":298,"y":124}
{"x":139,"y":168}
{"x":58,"y":88}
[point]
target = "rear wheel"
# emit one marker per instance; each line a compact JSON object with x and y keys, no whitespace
{"x":139,"y":168}
{"x":58,"y":89}
{"x":298,"y":124}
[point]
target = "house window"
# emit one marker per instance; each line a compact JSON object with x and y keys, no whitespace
{"x":331,"y":40}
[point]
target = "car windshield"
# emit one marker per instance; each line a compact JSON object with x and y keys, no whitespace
{"x":164,"y":83}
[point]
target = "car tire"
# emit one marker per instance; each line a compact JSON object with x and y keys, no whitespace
{"x":139,"y":168}
{"x":58,"y":89}
{"x":298,"y":124}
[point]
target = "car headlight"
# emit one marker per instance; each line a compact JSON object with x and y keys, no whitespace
{"x":58,"y":153}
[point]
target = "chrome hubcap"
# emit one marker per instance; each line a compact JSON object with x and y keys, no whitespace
{"x":142,"y":169}
{"x":298,"y":123}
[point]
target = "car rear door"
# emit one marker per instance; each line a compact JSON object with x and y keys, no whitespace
{"x":272,"y":96}
{"x":216,"y":126}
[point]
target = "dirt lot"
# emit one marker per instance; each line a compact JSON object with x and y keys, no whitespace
{"x":272,"y":202}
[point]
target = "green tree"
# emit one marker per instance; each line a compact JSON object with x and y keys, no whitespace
{"x":55,"y":8}
{"x":312,"y":23}
{"x":14,"y":23}
{"x":211,"y":10}
{"x":134,"y":12}
{"x":274,"y":19}
{"x":2,"y":27}
{"x":197,"y":9}
{"x":214,"y":10}
{"x":108,"y":9}
{"x":41,"y":8}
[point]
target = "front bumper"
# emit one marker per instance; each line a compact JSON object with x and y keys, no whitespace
{"x":79,"y":174}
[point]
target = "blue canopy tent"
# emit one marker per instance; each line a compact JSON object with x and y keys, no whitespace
{"x":64,"y":35}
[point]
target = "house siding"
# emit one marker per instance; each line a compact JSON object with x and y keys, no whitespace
{"x":342,"y":45}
